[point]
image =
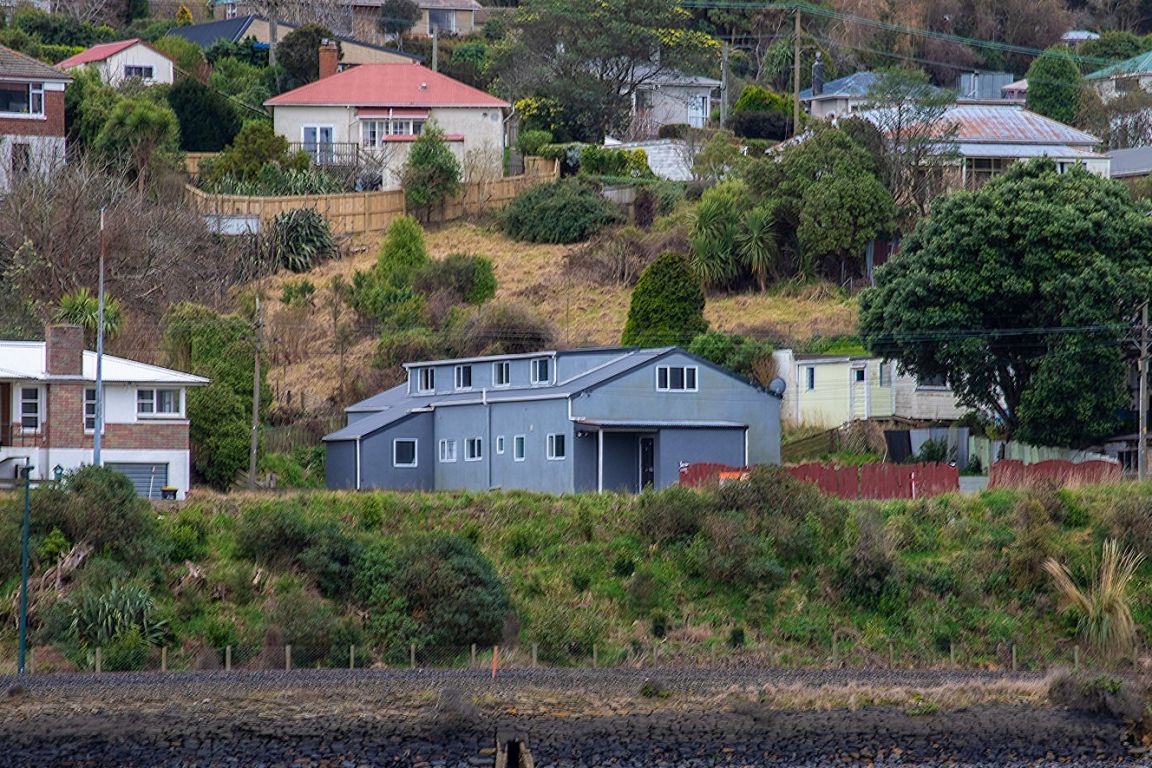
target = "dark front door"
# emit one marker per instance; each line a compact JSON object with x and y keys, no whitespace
{"x":5,"y":414}
{"x":647,"y":462}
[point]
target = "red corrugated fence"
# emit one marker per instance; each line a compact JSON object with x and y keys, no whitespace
{"x":870,"y":481}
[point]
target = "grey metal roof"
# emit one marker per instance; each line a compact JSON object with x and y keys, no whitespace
{"x":385,"y":399}
{"x":235,"y":30}
{"x":1136,"y":161}
{"x":16,"y":65}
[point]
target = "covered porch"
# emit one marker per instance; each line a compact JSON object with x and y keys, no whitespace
{"x":629,"y":456}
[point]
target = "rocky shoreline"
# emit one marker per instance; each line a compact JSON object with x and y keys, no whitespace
{"x":420,"y":720}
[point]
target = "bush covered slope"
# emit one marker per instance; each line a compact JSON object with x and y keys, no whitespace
{"x":770,"y":564}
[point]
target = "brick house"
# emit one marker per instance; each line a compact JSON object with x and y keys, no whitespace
{"x":31,"y":117}
{"x":48,"y":413}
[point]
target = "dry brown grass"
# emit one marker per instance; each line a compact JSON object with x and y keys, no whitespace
{"x":583,"y":313}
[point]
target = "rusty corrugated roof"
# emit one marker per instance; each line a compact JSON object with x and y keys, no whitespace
{"x":985,"y":123}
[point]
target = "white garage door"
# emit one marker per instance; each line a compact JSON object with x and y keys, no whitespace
{"x":147,"y":478}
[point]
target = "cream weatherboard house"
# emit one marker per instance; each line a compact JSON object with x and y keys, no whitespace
{"x":124,"y":60}
{"x":48,"y":413}
{"x":369,"y":116}
{"x":830,"y":390}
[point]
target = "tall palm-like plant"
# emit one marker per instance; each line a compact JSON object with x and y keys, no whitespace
{"x":1105,"y":613}
{"x":756,"y":245}
{"x":82,"y":308}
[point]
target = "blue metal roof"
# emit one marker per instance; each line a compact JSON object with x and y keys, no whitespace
{"x":857,"y":84}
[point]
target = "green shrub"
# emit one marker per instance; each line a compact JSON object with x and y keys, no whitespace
{"x":385,"y":292}
{"x":273,"y":534}
{"x":742,"y":355}
{"x":623,"y":566}
{"x":724,"y":552}
{"x":644,"y":592}
{"x":670,"y":515}
{"x":99,"y":506}
{"x":581,"y":581}
{"x":736,"y":637}
{"x":273,"y":180}
{"x":436,"y":590}
{"x":868,"y":568}
{"x":397,"y":348}
{"x":667,"y":305}
{"x":305,"y":620}
{"x":659,"y":625}
{"x":566,"y":211}
{"x":331,"y":558}
{"x":563,"y":632}
{"x":299,"y":241}
{"x":128,"y":651}
{"x":467,"y":279}
{"x":98,"y":618}
{"x":499,"y":328}
{"x":605,"y":161}
{"x":530,"y":142}
{"x":189,"y":534}
{"x":256,"y":145}
{"x":431,"y":173}
{"x":521,"y":542}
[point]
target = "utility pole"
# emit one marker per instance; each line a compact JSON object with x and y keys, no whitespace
{"x":796,"y":73}
{"x":436,"y":49}
{"x":1142,"y":449}
{"x":23,"y":639}
{"x":97,"y":435}
{"x":255,"y":442}
{"x":723,"y":86}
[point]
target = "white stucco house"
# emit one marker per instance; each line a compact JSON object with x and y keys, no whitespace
{"x":372,"y":113}
{"x":670,"y":97}
{"x":124,"y":60}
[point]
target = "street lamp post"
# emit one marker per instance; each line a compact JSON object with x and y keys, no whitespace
{"x":24,"y":564}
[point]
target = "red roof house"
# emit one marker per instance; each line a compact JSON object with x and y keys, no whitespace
{"x":31,"y":117}
{"x":123,"y":60}
{"x":372,"y":112}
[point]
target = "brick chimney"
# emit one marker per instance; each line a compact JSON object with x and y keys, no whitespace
{"x":329,"y":58}
{"x":64,"y":350}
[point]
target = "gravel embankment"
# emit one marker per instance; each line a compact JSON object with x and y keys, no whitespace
{"x":569,"y":719}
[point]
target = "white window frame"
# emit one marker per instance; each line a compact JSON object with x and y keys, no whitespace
{"x":425,"y":380}
{"x":474,"y":449}
{"x":519,"y":448}
{"x":666,"y":371}
{"x":147,"y":72}
{"x":553,"y":438}
{"x":859,"y":375}
{"x":90,"y":412}
{"x":503,"y":366}
{"x":458,"y":376}
{"x":39,"y":400}
{"x":500,"y":445}
{"x":35,"y":101}
{"x":415,"y":452}
{"x":536,"y":361}
{"x":447,"y":451}
{"x":154,"y":397}
{"x":886,"y":374}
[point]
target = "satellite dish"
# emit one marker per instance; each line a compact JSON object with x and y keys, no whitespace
{"x":776,"y":388}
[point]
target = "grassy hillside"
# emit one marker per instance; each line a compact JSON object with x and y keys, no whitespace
{"x":772,"y":566}
{"x":582,"y":313}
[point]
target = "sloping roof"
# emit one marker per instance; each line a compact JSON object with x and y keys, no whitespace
{"x":673,"y":77}
{"x":98,"y":53}
{"x":999,"y":150}
{"x":24,"y":360}
{"x":235,"y":30}
{"x":1003,"y":124}
{"x":204,"y":35}
{"x":855,"y":85}
{"x":388,"y":85}
{"x":1138,"y":64}
{"x":16,"y":65}
{"x":1136,"y":161}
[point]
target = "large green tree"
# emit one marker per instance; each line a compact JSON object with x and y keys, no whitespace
{"x":208,"y":121}
{"x":1019,"y":294}
{"x":299,"y":54}
{"x":1054,"y":85}
{"x":140,"y":133}
{"x":590,"y":56}
{"x":397,"y":17}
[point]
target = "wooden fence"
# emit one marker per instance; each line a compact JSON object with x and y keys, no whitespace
{"x":1011,"y":473}
{"x":303,"y":434}
{"x":363,"y":213}
{"x":869,"y":481}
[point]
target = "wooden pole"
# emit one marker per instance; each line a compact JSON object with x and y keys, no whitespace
{"x":287,"y":658}
{"x":99,"y":660}
{"x":495,"y":660}
{"x":227,"y":658}
{"x":796,"y":73}
{"x":412,"y":655}
{"x":163,"y":658}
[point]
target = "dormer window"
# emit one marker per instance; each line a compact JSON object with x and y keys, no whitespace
{"x":463,"y":377}
{"x":541,"y":371}
{"x":426,"y":380}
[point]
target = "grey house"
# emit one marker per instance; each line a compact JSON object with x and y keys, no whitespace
{"x":558,"y":422}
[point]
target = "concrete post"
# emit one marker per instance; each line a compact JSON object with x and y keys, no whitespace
{"x":287,"y":658}
{"x":227,"y":658}
{"x":99,"y":661}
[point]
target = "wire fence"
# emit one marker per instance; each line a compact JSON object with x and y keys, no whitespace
{"x":841,"y":653}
